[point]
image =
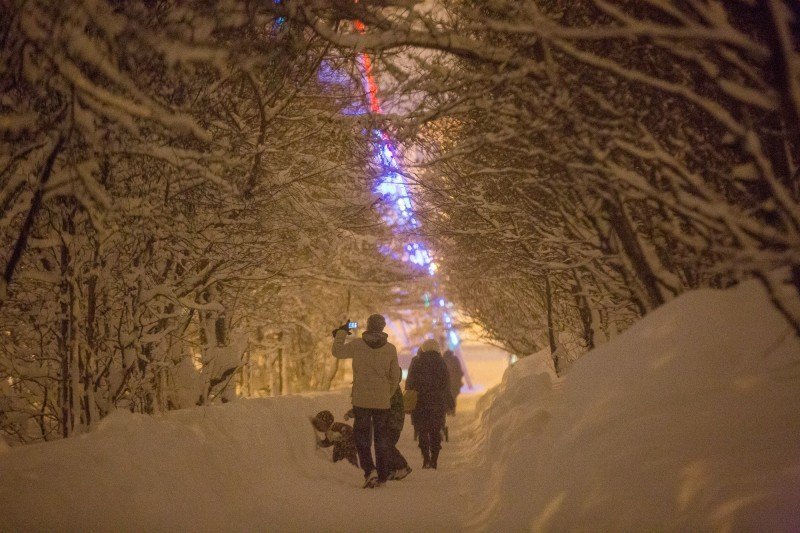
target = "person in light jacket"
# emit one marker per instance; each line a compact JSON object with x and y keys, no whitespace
{"x":427,"y":375}
{"x":376,"y":376}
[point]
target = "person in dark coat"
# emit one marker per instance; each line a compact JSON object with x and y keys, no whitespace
{"x":456,"y":374}
{"x":427,"y":375}
{"x":336,"y":434}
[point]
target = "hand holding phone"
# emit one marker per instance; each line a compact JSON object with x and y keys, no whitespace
{"x":347,"y":326}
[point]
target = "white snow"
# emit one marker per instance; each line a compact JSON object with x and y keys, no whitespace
{"x":688,"y":421}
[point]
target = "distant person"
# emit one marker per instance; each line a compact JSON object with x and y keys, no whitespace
{"x":456,"y":375}
{"x":336,"y":434}
{"x":427,"y":375}
{"x":376,"y":376}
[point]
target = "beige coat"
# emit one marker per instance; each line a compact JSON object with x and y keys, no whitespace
{"x":376,"y":372}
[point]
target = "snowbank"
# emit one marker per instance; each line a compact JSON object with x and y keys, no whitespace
{"x":246,"y":465}
{"x":250,"y":465}
{"x":687,"y":421}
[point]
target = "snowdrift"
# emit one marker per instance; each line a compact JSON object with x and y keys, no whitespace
{"x":688,"y":421}
{"x":249,"y":465}
{"x":246,"y":465}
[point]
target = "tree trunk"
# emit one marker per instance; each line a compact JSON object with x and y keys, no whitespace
{"x":277,"y":389}
{"x":36,"y":205}
{"x":634,"y":252}
{"x":584,"y":310}
{"x":66,"y":340}
{"x":551,"y":336}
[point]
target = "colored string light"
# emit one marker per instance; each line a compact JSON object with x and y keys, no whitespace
{"x":392,"y":185}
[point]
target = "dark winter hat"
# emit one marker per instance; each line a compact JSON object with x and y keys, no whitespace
{"x":376,"y":323}
{"x":323,"y":420}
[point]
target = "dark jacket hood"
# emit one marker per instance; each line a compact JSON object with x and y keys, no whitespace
{"x":375,"y":339}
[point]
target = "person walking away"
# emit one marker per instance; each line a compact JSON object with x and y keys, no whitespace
{"x":427,"y":375}
{"x":398,"y":466}
{"x":376,"y":376}
{"x":456,"y":374}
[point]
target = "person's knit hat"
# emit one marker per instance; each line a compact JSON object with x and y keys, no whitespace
{"x":376,"y":323}
{"x":430,"y":345}
{"x":322,"y":421}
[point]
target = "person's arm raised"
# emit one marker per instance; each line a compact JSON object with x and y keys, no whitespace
{"x":340,"y":350}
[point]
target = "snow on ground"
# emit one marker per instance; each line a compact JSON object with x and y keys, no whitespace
{"x":687,"y":421}
{"x":244,"y":466}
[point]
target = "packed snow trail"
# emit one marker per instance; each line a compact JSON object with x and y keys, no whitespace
{"x":250,"y":465}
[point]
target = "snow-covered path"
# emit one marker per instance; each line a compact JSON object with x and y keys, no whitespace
{"x":427,"y":500}
{"x":250,"y":465}
{"x":687,"y":421}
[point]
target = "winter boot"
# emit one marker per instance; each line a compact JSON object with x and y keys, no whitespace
{"x":400,"y":473}
{"x":434,"y":459}
{"x":371,"y":480}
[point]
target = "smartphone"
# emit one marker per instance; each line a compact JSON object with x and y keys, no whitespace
{"x":352,"y":325}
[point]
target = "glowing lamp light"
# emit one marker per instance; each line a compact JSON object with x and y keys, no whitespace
{"x":453,"y":338}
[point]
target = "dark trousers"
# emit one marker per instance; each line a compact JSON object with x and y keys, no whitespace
{"x":396,"y":459}
{"x":372,"y":425}
{"x":429,"y":426}
{"x":453,"y":410}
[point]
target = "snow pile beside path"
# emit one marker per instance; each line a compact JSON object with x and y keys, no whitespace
{"x":687,"y":421}
{"x":246,"y":465}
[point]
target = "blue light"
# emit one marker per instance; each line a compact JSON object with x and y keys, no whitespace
{"x":331,"y":75}
{"x":454,"y":340}
{"x":280,"y":20}
{"x":354,"y":110}
{"x":392,"y":187}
